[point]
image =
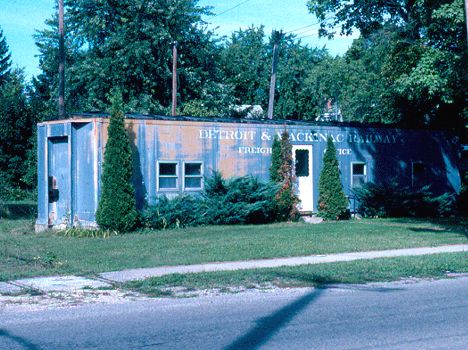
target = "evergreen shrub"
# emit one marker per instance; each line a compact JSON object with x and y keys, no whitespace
{"x":117,"y":205}
{"x":239,"y":200}
{"x":462,"y":200}
{"x":282,"y":169}
{"x":332,"y":203}
{"x":393,"y":200}
{"x":275,"y":167}
{"x":180,"y":211}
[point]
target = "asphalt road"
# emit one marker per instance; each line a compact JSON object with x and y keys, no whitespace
{"x":423,"y":315}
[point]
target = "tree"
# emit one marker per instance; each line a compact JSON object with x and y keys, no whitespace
{"x":296,"y":63}
{"x":410,"y":59}
{"x":245,"y":62}
{"x":16,"y":130}
{"x":332,"y":203}
{"x":117,"y":205}
{"x":44,"y":88}
{"x":372,"y":15}
{"x":128,"y":44}
{"x":5,"y":57}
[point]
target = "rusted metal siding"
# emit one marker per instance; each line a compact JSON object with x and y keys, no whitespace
{"x":67,"y":168}
{"x":237,"y":149}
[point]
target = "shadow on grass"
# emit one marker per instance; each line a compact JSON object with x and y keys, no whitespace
{"x":326,"y":282}
{"x":24,"y":343}
{"x":440,"y":225}
{"x":268,"y":326}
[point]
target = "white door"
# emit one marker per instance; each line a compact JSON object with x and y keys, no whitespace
{"x":302,"y":156}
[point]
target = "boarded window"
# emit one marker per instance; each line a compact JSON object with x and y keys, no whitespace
{"x":193,"y":176}
{"x":302,"y":163}
{"x":358,"y":174}
{"x":167,"y":176}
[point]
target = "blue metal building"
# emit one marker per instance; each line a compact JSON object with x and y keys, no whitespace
{"x":171,"y":155}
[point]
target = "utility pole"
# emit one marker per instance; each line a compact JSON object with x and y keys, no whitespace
{"x":174,"y":77}
{"x":61,"y":92}
{"x":276,"y":36}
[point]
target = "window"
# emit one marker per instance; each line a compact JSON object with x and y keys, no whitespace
{"x":417,"y":174}
{"x":358,"y":174}
{"x":193,"y":176}
{"x":302,"y":163}
{"x":167,"y":176}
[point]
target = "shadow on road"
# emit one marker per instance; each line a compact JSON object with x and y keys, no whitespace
{"x":268,"y":326}
{"x":27,"y":345}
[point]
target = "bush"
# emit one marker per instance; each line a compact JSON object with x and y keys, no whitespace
{"x":462,"y":200}
{"x":240,"y":200}
{"x":18,"y":210}
{"x":332,"y":203}
{"x":275,"y":166}
{"x":392,"y":200}
{"x":117,"y":205}
{"x":282,"y":172}
{"x":181,"y":211}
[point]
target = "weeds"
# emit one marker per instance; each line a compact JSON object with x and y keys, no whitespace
{"x":80,"y":232}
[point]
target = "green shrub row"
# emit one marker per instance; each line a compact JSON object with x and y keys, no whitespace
{"x":239,"y":200}
{"x":392,"y":200}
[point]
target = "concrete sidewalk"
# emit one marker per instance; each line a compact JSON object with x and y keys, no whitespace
{"x":67,"y":283}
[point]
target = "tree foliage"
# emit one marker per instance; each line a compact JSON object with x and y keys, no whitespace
{"x":275,"y":166}
{"x":245,"y":65}
{"x":129,"y":44}
{"x":5,"y":59}
{"x":17,"y":123}
{"x":117,"y":205}
{"x":408,"y":64}
{"x":286,"y":197}
{"x":332,"y":203}
{"x":17,"y":130}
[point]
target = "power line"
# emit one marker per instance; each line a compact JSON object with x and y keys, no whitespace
{"x":306,"y":31}
{"x":310,"y":25}
{"x":295,"y":30}
{"x":230,"y":9}
{"x":306,"y":36}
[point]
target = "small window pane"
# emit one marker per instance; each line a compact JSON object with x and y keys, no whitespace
{"x":193,"y":182}
{"x":358,"y":180}
{"x":358,"y":172}
{"x":192,"y":169}
{"x":167,"y":169}
{"x":302,"y":163}
{"x":167,"y":182}
{"x":359,"y":169}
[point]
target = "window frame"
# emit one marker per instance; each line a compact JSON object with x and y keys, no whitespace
{"x":176,"y":176}
{"x":363,"y":175}
{"x":184,"y":176}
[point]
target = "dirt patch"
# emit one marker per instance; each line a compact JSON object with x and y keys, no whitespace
{"x":59,"y":299}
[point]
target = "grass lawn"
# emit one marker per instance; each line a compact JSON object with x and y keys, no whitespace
{"x":24,"y":253}
{"x":361,"y":271}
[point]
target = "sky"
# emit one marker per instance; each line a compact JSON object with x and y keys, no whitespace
{"x":19,"y":20}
